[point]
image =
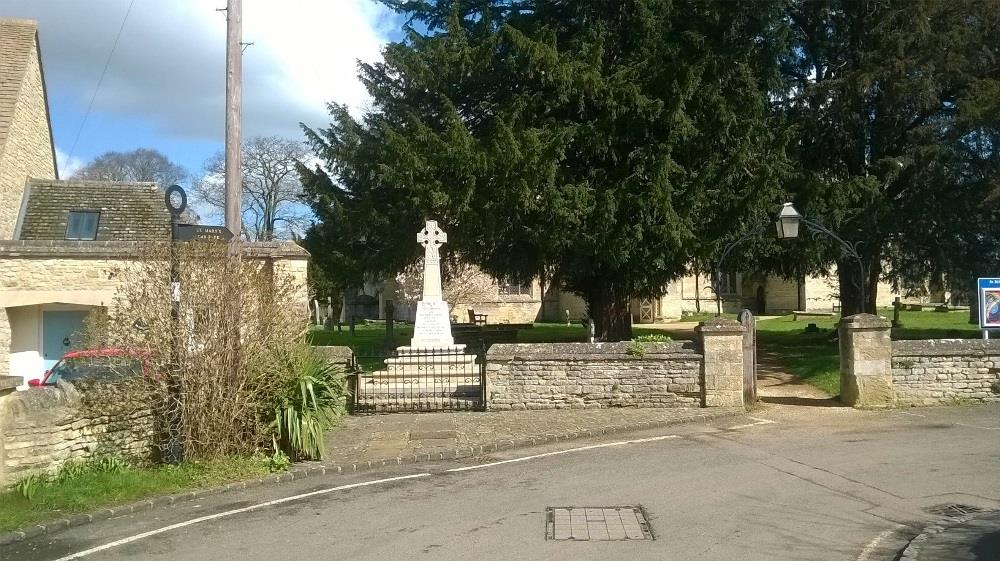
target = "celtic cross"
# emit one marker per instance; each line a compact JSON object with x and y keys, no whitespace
{"x":432,"y":237}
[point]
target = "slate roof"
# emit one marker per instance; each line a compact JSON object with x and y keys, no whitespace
{"x":17,"y":39}
{"x":130,"y":212}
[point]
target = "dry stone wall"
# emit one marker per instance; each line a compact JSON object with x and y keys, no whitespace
{"x":43,"y":428}
{"x":944,"y":371}
{"x":581,"y":375}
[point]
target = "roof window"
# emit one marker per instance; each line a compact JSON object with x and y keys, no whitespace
{"x":82,"y":225}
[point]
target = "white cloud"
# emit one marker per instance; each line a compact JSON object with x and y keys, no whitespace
{"x":67,"y":166}
{"x":169,"y":67}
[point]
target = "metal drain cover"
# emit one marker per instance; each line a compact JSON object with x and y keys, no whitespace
{"x":596,"y":523}
{"x":953,"y":510}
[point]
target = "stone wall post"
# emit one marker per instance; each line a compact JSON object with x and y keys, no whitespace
{"x":722,"y":365}
{"x":8,"y":384}
{"x":866,"y":361}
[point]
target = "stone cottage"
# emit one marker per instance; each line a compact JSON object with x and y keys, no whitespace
{"x":505,"y":302}
{"x":60,"y":241}
{"x":26,"y":147}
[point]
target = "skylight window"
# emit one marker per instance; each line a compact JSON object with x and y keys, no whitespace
{"x":82,"y":225}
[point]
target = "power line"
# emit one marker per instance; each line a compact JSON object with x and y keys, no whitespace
{"x":99,"y":82}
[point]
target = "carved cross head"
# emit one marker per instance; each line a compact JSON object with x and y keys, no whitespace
{"x":431,"y":235}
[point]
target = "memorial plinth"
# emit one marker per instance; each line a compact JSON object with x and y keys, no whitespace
{"x":432,"y":364}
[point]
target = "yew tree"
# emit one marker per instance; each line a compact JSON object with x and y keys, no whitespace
{"x":604,"y":145}
{"x":893,"y":107}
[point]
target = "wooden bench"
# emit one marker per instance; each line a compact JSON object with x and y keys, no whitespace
{"x":477,"y":319}
{"x":811,"y":314}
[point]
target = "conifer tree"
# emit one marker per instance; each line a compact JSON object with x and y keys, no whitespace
{"x":608,"y":144}
{"x":894,"y":108}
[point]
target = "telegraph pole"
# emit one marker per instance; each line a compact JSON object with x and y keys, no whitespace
{"x":234,"y":101}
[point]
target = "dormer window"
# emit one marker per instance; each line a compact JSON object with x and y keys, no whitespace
{"x":82,"y":225}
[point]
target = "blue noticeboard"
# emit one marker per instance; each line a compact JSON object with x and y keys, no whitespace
{"x":989,"y":303}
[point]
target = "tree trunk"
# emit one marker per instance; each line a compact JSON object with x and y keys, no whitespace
{"x":974,"y":300}
{"x":848,"y":277}
{"x":609,"y":309}
{"x":847,"y":282}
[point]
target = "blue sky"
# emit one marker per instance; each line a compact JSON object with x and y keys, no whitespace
{"x":165,"y":84}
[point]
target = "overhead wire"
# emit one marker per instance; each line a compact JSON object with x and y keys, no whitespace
{"x":100,"y":81}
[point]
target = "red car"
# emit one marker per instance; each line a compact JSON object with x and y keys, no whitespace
{"x":104,"y":364}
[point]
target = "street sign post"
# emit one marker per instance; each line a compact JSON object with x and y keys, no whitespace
{"x":989,"y":305}
{"x":200,"y":233}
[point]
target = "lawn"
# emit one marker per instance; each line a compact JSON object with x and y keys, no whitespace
{"x":812,"y":356}
{"x":88,"y":491}
{"x":815,"y":356}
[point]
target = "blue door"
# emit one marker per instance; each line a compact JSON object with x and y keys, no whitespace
{"x":59,"y":334}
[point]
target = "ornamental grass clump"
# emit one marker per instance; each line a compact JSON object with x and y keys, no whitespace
{"x":310,"y":403}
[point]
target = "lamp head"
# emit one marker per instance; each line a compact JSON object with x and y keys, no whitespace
{"x":787,"y":222}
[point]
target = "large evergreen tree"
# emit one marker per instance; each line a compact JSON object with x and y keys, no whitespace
{"x":604,"y":144}
{"x":894,"y":108}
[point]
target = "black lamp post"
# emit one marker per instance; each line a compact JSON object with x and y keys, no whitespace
{"x":787,"y":224}
{"x":788,"y":227}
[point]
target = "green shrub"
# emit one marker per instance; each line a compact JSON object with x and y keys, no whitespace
{"x":278,"y":462}
{"x":652,"y":338}
{"x":636,"y":349}
{"x":312,"y":401}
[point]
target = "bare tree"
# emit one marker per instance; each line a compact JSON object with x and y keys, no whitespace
{"x":142,"y":164}
{"x":463,"y":284}
{"x":219,"y":365}
{"x":271,"y":189}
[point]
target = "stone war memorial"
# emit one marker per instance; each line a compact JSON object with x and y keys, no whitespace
{"x":432,"y":370}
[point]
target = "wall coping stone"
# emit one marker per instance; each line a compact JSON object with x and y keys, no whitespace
{"x":946,"y":347}
{"x":719,"y":325}
{"x":681,"y":350}
{"x":120,"y":250}
{"x":865,"y":321}
{"x":9,"y":382}
{"x":336,"y":354}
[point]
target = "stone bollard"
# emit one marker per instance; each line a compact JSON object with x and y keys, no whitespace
{"x":722,"y":365}
{"x":866,"y":362}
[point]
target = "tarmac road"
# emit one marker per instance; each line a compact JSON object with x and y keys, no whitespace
{"x":791,"y":483}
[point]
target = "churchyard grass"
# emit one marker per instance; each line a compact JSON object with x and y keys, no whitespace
{"x":812,"y":356}
{"x":815,"y":356}
{"x":91,"y":490}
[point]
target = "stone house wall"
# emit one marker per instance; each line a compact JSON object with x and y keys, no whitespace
{"x":83,"y":273}
{"x":944,"y":371}
{"x":580,"y":375}
{"x":43,"y":428}
{"x":27,"y":150}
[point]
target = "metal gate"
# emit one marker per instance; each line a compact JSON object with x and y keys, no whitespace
{"x":426,"y":380}
{"x":749,"y":358}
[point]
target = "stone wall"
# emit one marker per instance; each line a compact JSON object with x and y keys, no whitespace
{"x":945,"y":371}
{"x":27,"y":151}
{"x":878,"y":372}
{"x":340,"y":357}
{"x":84,"y":273}
{"x":581,"y":375}
{"x":42,"y":428}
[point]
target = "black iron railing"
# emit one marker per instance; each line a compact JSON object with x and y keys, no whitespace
{"x":436,"y":379}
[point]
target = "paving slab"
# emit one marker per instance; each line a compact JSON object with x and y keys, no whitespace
{"x":359,"y":439}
